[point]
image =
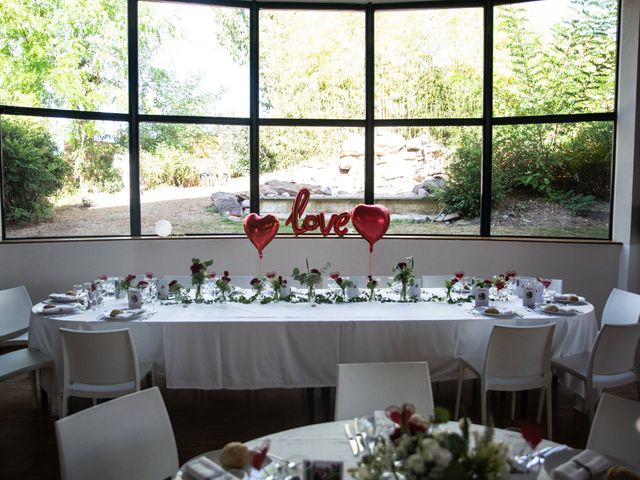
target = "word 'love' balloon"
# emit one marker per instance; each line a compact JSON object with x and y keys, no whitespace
{"x":261,"y":229}
{"x":371,"y":221}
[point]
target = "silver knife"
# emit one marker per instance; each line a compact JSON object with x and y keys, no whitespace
{"x":358,"y":435}
{"x":352,"y":441}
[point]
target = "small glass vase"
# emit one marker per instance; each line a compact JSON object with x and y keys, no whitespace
{"x":198,"y":298}
{"x":403,"y":292}
{"x":311,"y":294}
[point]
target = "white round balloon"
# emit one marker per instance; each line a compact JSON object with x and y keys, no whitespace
{"x":163,"y":228}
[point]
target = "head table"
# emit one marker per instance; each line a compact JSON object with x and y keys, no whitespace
{"x":276,"y":345}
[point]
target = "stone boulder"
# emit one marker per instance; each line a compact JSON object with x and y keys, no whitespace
{"x":290,"y":188}
{"x":429,"y":185}
{"x":227,"y":203}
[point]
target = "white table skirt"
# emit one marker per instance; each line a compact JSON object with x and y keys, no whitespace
{"x":237,"y":346}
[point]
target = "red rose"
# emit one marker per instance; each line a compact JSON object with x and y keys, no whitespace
{"x":226,"y":279}
{"x":315,"y":270}
{"x":488,"y":283}
{"x":402,"y":265}
{"x":454,"y":280}
{"x":103,"y":278}
{"x":254,"y":281}
{"x":93,"y":287}
{"x":212,"y":275}
{"x":225,"y":273}
{"x":334,"y":275}
{"x":459,"y":275}
{"x":510,"y":274}
{"x":172,"y":283}
{"x":270,"y":275}
{"x":130,"y":278}
{"x":283,"y":282}
{"x":339,"y":281}
{"x":417,"y":423}
{"x":196,"y":267}
{"x":149,"y":275}
{"x":142,"y":284}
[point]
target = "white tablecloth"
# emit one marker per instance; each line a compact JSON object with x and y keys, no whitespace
{"x":237,"y":346}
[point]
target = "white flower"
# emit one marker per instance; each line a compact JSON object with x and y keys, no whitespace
{"x":442,"y":457}
{"x":415,"y":463}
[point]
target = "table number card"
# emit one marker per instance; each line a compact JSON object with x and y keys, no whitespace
{"x":528,"y":297}
{"x":482,"y":297}
{"x":162,"y":286}
{"x":135,"y":299}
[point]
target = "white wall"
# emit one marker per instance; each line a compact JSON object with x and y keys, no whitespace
{"x":588,"y":269}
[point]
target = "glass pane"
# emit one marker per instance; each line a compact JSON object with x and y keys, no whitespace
{"x":194,"y":176}
{"x":64,"y":54}
{"x":312,"y":64}
{"x":552,"y":180}
{"x":328,"y":161}
{"x":194,"y":59}
{"x":64,"y":178}
{"x":428,"y":63}
{"x":554,"y":57}
{"x":429,"y":179}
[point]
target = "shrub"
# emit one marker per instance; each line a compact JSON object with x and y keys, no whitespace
{"x":33,"y":170}
{"x":168,"y":167}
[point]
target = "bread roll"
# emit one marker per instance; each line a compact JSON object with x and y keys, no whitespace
{"x":492,"y":310}
{"x":551,"y":308}
{"x":234,"y":455}
{"x":114,"y":313}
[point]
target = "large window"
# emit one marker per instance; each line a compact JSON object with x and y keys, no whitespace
{"x":481,"y":118}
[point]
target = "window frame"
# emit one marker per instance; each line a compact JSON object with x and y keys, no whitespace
{"x":487,"y":121}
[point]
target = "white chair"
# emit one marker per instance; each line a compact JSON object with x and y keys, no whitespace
{"x":622,"y":308}
{"x":616,"y":429}
{"x":366,"y":387}
{"x":435,"y":281}
{"x":610,"y":363}
{"x":101,"y":364}
{"x":184,"y":280}
{"x":22,"y":361}
{"x":15,"y":313}
{"x":516,"y":359}
{"x":129,"y":437}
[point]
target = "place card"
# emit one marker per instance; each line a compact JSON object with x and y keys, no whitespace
{"x":135,"y":298}
{"x":528,"y":297}
{"x":162,"y":286}
{"x":322,"y":470}
{"x":482,"y":297}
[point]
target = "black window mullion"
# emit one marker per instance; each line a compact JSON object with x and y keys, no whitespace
{"x":369,"y":133}
{"x":134,"y":126}
{"x":254,"y":109}
{"x":487,"y":115}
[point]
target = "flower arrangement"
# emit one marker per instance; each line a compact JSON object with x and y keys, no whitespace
{"x":372,"y":284}
{"x":125,"y":284}
{"x":257,"y":286}
{"x":310,"y":279}
{"x":413,"y":451}
{"x":223,"y":284}
{"x":448,"y":286}
{"x":176,"y":288}
{"x":343,"y":283}
{"x":198,"y":275}
{"x":403,"y":273}
{"x":277,"y":283}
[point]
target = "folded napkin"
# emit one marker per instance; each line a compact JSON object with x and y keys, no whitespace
{"x":587,"y":464}
{"x":57,"y":309}
{"x":566,"y":297}
{"x":203,"y":468}
{"x":63,"y":297}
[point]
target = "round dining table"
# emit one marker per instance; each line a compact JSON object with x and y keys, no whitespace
{"x":328,"y":442}
{"x":299,"y":345}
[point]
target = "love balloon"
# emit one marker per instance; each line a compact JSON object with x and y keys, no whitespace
{"x":261,"y":229}
{"x":371,"y":221}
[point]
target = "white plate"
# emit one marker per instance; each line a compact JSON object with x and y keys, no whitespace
{"x":268,"y":468}
{"x":502,"y":313}
{"x":562,"y":312}
{"x":556,"y":459}
{"x":62,"y":298}
{"x":63,"y":309}
{"x":125,"y":315}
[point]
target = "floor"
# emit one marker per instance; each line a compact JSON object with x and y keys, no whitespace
{"x":206,"y":420}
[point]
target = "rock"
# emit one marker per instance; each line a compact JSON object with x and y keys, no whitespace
{"x":327,"y":190}
{"x":451,"y":217}
{"x":87,"y":202}
{"x":292,"y":188}
{"x":414,"y":145}
{"x":422,"y":192}
{"x":388,"y":143}
{"x":245,"y":203}
{"x":226,"y":203}
{"x":430,"y":185}
{"x":235,"y":218}
{"x":345,"y":163}
{"x":285,"y":194}
{"x":353,"y":146}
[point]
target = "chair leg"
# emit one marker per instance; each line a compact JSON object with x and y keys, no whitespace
{"x":549,"y":416}
{"x":540,"y":404}
{"x":483,"y":405}
{"x":459,"y":389}
{"x":588,"y":398}
{"x":34,"y":389}
{"x":513,"y":405}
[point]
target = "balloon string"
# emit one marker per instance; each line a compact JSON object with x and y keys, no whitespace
{"x":370,"y":261}
{"x":260,"y":256}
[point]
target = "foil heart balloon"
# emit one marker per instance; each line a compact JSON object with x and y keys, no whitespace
{"x":261,"y":229}
{"x":371,"y":221}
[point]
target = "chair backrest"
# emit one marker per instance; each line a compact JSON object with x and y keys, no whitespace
{"x":622,"y":308}
{"x":615,"y":429}
{"x":366,"y":387}
{"x":614,"y":349}
{"x":99,"y":358}
{"x":435,"y":281}
{"x":128,"y":437}
{"x":519,"y":351}
{"x":184,"y":280}
{"x":15,"y":312}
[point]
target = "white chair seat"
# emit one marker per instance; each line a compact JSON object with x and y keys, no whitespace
{"x":91,"y":390}
{"x":577,"y":366}
{"x":22,"y":361}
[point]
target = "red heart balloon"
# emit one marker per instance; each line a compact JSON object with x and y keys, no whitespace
{"x":261,"y":229}
{"x":371,"y":221}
